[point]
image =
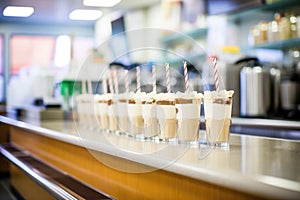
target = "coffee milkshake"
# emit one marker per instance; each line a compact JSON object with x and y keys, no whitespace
{"x":112,"y":112}
{"x":149,"y":116}
{"x":188,"y":116}
{"x":101,"y":110}
{"x":85,"y":109}
{"x":166,"y":115}
{"x":123,"y":112}
{"x":217,"y":109}
{"x":135,"y":113}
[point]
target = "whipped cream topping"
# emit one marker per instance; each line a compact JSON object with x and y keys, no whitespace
{"x":138,"y":97}
{"x":218,"y":95}
{"x":165,"y":97}
{"x":216,"y":109}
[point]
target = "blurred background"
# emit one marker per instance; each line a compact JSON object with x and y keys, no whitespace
{"x":256,"y":42}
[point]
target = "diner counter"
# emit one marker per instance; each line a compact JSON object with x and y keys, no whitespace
{"x":260,"y":166}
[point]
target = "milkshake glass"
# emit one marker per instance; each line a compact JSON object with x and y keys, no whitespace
{"x":135,"y":114}
{"x":149,"y":116}
{"x":101,"y":110}
{"x":217,"y":110}
{"x":123,"y":112}
{"x":112,"y":112}
{"x":188,"y":116}
{"x":166,"y":115}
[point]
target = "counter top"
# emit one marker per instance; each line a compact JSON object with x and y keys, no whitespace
{"x":257,"y":122}
{"x":257,"y":165}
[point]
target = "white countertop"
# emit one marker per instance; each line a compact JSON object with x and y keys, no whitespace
{"x":262,"y":166}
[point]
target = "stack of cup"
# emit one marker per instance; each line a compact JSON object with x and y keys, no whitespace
{"x":166,"y":115}
{"x":150,"y":129}
{"x":217,"y":110}
{"x":188,"y":116}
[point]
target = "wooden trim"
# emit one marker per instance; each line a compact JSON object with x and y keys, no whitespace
{"x":80,"y":163}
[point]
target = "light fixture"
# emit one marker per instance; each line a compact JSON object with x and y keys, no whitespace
{"x":80,"y":14}
{"x":101,"y":3}
{"x":18,"y":11}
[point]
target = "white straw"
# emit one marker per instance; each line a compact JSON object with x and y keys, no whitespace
{"x":110,"y":82}
{"x":154,"y":78}
{"x":138,"y":79}
{"x":216,"y":73}
{"x":168,"y":78}
{"x":186,"y":76}
{"x":116,"y":82}
{"x":83,"y":86}
{"x":126,"y":81}
{"x":104,"y":84}
{"x":90,"y":88}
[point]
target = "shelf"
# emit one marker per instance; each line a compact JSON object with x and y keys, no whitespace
{"x":272,"y":7}
{"x":286,"y":44}
{"x":176,"y":37}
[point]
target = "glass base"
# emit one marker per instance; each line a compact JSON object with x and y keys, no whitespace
{"x":222,"y":145}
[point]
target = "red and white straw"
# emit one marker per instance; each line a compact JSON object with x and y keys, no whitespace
{"x":104,"y":84}
{"x":110,"y":82}
{"x":126,"y":81}
{"x":154,"y":78}
{"x":116,"y":82}
{"x":90,"y":88}
{"x":83,"y":86}
{"x":216,"y":73}
{"x":168,"y":77}
{"x":138,"y":79}
{"x":186,"y":76}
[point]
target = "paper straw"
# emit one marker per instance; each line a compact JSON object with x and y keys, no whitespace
{"x":110,"y":82}
{"x":104,"y":84}
{"x":126,"y":81}
{"x":116,"y":82}
{"x":154,"y":78}
{"x":90,"y":88}
{"x":186,"y":76}
{"x":138,"y":79}
{"x":83,"y":86}
{"x":168,"y":78}
{"x":216,"y":73}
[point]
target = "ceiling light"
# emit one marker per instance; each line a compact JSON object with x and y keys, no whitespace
{"x":80,"y":14}
{"x":18,"y":11}
{"x":101,"y":3}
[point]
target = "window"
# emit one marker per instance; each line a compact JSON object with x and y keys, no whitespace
{"x":28,"y":51}
{"x":41,"y":51}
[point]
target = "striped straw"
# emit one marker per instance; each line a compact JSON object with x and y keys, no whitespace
{"x":216,"y":73}
{"x":116,"y":82}
{"x":138,"y":79}
{"x":126,"y":81}
{"x":90,"y":88}
{"x":168,"y":78}
{"x":154,"y":78}
{"x":110,"y":82}
{"x":104,"y":84}
{"x":186,"y":76}
{"x":83,"y":86}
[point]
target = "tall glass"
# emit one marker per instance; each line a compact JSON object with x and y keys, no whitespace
{"x":166,"y":115}
{"x":135,"y":114}
{"x":217,"y":109}
{"x":188,"y":116}
{"x":101,"y":110}
{"x":150,"y":129}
